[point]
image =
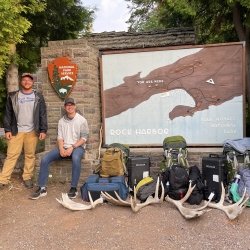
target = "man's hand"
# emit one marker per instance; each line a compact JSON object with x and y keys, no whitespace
{"x":42,"y":136}
{"x":8,"y":135}
{"x":63,"y":152}
{"x":66,"y":152}
{"x":69,"y":151}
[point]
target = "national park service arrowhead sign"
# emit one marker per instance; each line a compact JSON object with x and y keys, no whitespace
{"x":62,"y":75}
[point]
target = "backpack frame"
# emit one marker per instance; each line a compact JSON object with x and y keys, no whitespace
{"x":175,"y":152}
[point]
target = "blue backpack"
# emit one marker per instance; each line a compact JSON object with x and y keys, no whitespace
{"x":96,"y":184}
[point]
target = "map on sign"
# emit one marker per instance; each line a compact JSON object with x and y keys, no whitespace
{"x":194,"y":92}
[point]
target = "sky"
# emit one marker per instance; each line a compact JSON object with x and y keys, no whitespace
{"x":111,"y":15}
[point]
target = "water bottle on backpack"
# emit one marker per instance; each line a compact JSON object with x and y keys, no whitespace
{"x":236,"y":179}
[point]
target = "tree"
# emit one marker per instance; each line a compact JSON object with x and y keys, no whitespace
{"x":149,"y":15}
{"x":61,"y":20}
{"x":13,"y":25}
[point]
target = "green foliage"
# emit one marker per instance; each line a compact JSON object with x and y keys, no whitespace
{"x":3,"y":145}
{"x":30,"y":24}
{"x":214,"y":21}
{"x":13,"y":25}
{"x":40,"y":147}
{"x":60,"y":20}
{"x":2,"y":100}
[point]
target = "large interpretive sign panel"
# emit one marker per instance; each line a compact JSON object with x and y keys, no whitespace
{"x":196,"y":92}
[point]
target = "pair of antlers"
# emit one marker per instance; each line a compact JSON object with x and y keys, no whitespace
{"x":232,"y":211}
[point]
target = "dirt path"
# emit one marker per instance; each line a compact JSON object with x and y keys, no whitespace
{"x":45,"y":224}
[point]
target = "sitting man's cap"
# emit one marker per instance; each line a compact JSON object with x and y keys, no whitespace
{"x":27,"y":75}
{"x":69,"y":100}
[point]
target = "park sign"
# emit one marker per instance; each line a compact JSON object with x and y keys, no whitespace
{"x":194,"y":91}
{"x":62,"y":74}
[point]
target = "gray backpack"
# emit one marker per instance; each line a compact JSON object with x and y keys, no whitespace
{"x":244,"y":181}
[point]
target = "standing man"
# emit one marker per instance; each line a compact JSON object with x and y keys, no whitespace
{"x":72,"y":136}
{"x":25,"y":121}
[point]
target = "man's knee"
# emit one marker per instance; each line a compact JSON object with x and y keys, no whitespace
{"x":77,"y":158}
{"x":45,"y":160}
{"x":78,"y":155}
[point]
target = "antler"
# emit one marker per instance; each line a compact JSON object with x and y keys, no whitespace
{"x":189,"y":213}
{"x":72,"y":205}
{"x":150,"y":200}
{"x":119,"y":201}
{"x":132,"y":203}
{"x":234,"y":210}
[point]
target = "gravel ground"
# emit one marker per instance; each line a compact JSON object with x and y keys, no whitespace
{"x":45,"y":224}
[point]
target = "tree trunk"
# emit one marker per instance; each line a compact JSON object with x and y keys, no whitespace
{"x":12,"y":82}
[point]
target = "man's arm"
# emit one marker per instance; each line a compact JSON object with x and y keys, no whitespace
{"x":43,"y":123}
{"x":63,"y":152}
{"x":79,"y":143}
{"x":8,"y":115}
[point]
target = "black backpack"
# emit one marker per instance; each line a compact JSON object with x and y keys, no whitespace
{"x":175,"y":180}
{"x":197,"y":195}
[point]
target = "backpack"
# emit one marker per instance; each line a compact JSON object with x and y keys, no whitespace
{"x":236,"y":190}
{"x":145,"y":188}
{"x":175,"y":151}
{"x":237,"y":153}
{"x":95,"y":185}
{"x":125,"y":149}
{"x":195,"y":178}
{"x":175,"y":180}
{"x":244,"y":181}
{"x":113,"y":161}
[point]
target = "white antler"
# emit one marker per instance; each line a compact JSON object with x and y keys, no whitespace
{"x":72,"y":205}
{"x":119,"y":201}
{"x":189,"y":213}
{"x":234,"y":210}
{"x":133,"y":201}
{"x":150,"y":200}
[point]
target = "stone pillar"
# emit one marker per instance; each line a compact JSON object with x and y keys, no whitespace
{"x":86,"y":92}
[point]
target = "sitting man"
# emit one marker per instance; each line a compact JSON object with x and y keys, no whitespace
{"x":72,"y":135}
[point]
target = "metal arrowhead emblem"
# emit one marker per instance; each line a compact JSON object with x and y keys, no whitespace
{"x":63,"y":75}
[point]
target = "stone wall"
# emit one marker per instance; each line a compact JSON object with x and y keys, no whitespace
{"x":87,"y":92}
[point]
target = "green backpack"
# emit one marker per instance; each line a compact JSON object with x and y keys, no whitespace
{"x":175,"y":152}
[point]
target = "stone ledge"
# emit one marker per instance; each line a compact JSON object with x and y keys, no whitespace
{"x":60,"y":171}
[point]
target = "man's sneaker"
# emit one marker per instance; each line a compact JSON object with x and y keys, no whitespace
{"x":28,"y":183}
{"x":40,"y":192}
{"x":72,"y":193}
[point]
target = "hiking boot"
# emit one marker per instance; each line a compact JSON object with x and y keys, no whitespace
{"x":72,"y":193}
{"x":40,"y":192}
{"x":28,"y":183}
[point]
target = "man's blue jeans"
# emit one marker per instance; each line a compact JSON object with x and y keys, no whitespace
{"x":54,"y":155}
